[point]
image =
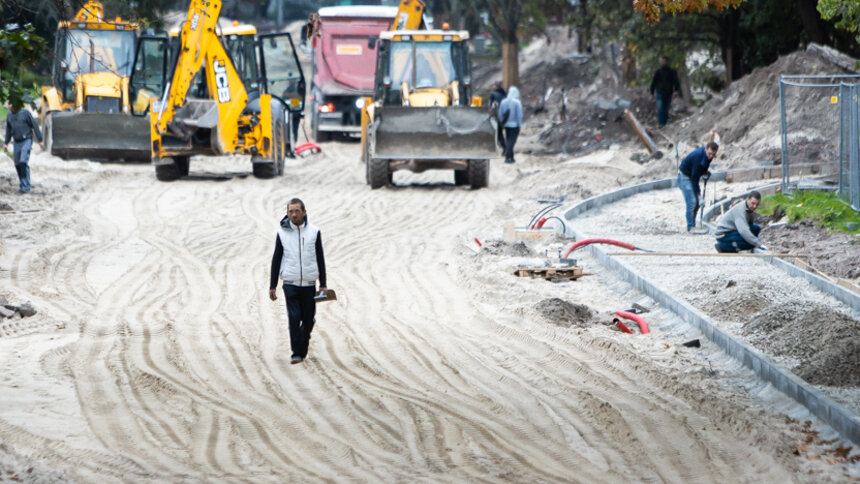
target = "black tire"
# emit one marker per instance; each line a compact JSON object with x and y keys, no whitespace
{"x":461,"y":177}
{"x":380,"y":173}
{"x":168,"y":171}
{"x":478,"y":173}
{"x":183,"y":163}
{"x":319,"y":136}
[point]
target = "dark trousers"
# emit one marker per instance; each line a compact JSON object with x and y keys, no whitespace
{"x":511,"y":135}
{"x":733,"y":242}
{"x":664,"y":102}
{"x":21,"y":156}
{"x":301,"y":309}
{"x":500,"y":135}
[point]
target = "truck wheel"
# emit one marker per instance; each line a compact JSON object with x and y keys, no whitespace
{"x":380,"y":173}
{"x":319,"y":136}
{"x":478,"y":173}
{"x":461,"y":177}
{"x":168,"y":171}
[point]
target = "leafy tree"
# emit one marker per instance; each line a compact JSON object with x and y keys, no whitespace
{"x":19,"y":47}
{"x":848,"y":14}
{"x":652,"y":9}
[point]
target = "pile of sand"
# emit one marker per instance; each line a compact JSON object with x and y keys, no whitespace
{"x":565,"y":313}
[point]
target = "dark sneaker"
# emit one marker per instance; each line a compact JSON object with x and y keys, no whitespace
{"x":296,"y":359}
{"x":719,"y":249}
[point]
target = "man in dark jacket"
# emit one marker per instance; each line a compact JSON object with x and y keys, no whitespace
{"x":496,"y":98}
{"x":694,"y":167}
{"x":664,"y":83}
{"x":298,"y":260}
{"x":20,"y":127}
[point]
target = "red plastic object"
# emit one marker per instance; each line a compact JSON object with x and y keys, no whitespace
{"x":540,"y":223}
{"x":312,"y":148}
{"x":623,"y":327}
{"x":478,"y":242}
{"x":585,"y":242}
{"x":643,"y":326}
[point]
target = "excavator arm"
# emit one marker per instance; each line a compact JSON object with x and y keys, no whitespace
{"x":223,"y":113}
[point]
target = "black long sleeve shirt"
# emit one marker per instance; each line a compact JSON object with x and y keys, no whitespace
{"x":279,"y":254}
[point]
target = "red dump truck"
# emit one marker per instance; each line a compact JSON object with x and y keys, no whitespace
{"x":344,"y":63}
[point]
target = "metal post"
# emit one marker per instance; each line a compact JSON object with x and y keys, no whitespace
{"x":783,"y":135}
{"x":844,"y":134}
{"x":854,"y":167}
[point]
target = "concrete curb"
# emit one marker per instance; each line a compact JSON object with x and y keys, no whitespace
{"x":850,"y":298}
{"x":820,"y":405}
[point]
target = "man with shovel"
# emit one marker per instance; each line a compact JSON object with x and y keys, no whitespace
{"x":298,"y":260}
{"x":694,"y":167}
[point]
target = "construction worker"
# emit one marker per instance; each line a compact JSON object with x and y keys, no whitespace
{"x":496,"y":98}
{"x":693,"y":167}
{"x":511,"y":117}
{"x":20,"y":127}
{"x":735,"y":230}
{"x":663,"y":84}
{"x":298,"y":260}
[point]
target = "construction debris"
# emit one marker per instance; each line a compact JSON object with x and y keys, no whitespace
{"x":549,"y":273}
{"x":11,"y":311}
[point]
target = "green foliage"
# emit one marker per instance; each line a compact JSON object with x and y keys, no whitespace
{"x":848,"y":13}
{"x":826,"y":208}
{"x":19,"y":48}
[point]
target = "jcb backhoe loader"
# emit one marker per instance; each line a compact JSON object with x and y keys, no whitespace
{"x":218,"y":115}
{"x":422,"y":116}
{"x":86,"y":112}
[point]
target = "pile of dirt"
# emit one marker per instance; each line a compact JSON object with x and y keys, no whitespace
{"x":822,"y":340}
{"x":565,"y":313}
{"x":500,"y":247}
{"x":835,"y":254}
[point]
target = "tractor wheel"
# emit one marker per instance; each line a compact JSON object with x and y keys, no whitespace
{"x":461,"y":177}
{"x":478,"y":173}
{"x":380,"y":173}
{"x":169,"y":171}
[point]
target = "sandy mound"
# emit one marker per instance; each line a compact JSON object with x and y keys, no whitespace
{"x":565,"y":313}
{"x":825,"y":341}
{"x":835,"y":254}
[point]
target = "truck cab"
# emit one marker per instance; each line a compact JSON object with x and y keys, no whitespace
{"x":344,"y":55}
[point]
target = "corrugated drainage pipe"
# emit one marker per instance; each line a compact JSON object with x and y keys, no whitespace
{"x":585,"y":242}
{"x":643,"y":326}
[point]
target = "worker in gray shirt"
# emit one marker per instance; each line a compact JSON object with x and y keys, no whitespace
{"x":20,"y":127}
{"x":735,"y":230}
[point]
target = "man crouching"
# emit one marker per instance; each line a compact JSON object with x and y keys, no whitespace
{"x":735,"y":231}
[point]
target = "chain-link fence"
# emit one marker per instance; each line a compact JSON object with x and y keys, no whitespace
{"x":849,"y":145}
{"x":812,"y":122}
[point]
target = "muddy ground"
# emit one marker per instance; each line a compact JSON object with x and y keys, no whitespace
{"x":835,"y":254}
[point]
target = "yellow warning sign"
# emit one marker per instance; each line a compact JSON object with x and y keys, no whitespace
{"x":348,"y":49}
{"x":834,"y":99}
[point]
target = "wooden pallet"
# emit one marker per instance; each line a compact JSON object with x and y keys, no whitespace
{"x":549,"y":273}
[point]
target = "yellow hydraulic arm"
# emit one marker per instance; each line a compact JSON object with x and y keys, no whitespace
{"x":409,"y":15}
{"x":201,"y":47}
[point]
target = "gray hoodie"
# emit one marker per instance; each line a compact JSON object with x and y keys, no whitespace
{"x":512,"y":104}
{"x":738,"y":218}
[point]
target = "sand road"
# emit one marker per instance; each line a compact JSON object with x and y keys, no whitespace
{"x":175,"y":367}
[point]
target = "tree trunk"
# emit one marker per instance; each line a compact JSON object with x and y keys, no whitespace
{"x":811,"y":19}
{"x":510,"y":63}
{"x":729,"y":45}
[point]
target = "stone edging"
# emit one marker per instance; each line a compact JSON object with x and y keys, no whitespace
{"x":820,"y":405}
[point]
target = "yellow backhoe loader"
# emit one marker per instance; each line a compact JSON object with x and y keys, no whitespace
{"x":208,"y":106}
{"x":422,"y":115}
{"x":86,"y":112}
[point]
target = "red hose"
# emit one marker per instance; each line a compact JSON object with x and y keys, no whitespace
{"x":623,"y":327}
{"x":585,"y":242}
{"x":643,"y":326}
{"x":539,"y":223}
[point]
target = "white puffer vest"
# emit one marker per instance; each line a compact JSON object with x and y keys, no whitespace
{"x":299,"y":263}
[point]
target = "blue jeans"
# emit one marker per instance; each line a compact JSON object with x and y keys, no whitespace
{"x":733,"y":242}
{"x":691,"y":199}
{"x":21,"y":155}
{"x":663,"y":103}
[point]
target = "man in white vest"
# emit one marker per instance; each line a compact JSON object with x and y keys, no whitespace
{"x":298,"y":261}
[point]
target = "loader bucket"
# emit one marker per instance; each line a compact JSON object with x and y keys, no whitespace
{"x":433,"y":133}
{"x":99,"y":136}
